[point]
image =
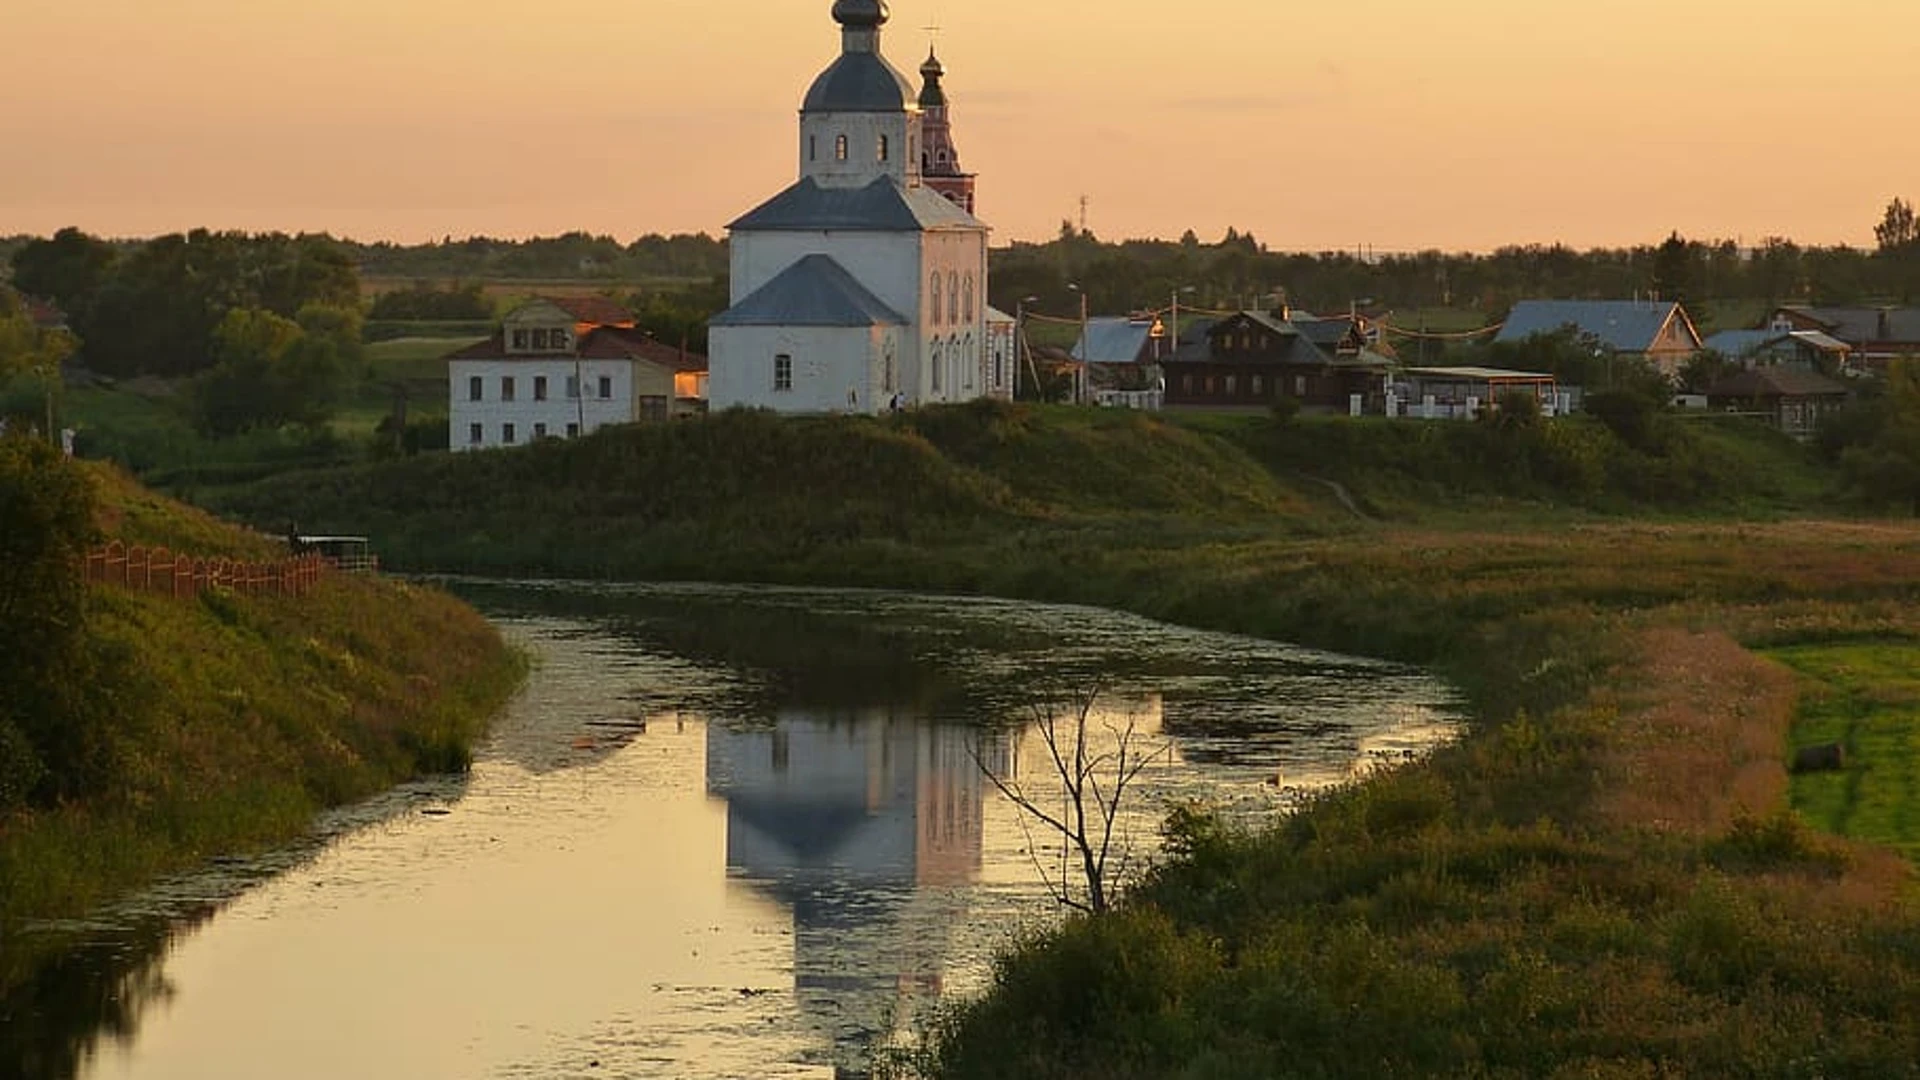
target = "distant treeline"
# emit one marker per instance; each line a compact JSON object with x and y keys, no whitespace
{"x":573,"y":256}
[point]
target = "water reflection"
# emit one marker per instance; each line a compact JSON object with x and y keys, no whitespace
{"x":723,"y":833}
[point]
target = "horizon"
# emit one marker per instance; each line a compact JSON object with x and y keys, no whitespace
{"x":1461,"y":131}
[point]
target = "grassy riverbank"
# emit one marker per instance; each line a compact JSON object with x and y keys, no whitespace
{"x":232,"y":719}
{"x":1604,"y":878}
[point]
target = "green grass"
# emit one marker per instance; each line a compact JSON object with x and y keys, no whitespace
{"x":1866,"y":697}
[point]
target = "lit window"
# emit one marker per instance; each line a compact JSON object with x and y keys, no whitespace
{"x":840,"y":148}
{"x":476,"y":434}
{"x":476,"y":389}
{"x":506,"y":434}
{"x":783,"y":372}
{"x":539,"y":388}
{"x":506,"y":388}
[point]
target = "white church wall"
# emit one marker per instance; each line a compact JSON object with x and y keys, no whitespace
{"x":953,"y":327}
{"x":886,"y":263}
{"x":831,"y":369}
{"x":820,"y":134}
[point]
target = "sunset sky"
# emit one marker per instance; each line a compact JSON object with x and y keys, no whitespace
{"x":1394,"y":124}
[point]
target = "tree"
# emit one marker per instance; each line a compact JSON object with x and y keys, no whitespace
{"x":1899,"y":237}
{"x":1884,"y":466}
{"x":1094,"y":769}
{"x":27,"y":349}
{"x":1897,"y":228}
{"x":271,"y":371}
{"x":67,"y":270}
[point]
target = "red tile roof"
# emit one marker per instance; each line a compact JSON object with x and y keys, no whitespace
{"x":602,"y":343}
{"x":598,"y":310}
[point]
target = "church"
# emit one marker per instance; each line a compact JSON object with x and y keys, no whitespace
{"x":864,"y":284}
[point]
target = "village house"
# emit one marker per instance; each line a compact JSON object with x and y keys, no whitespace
{"x":1812,"y":349}
{"x":1657,"y":331}
{"x":1463,"y":393}
{"x":1253,"y":359}
{"x":1874,"y":334}
{"x":560,"y":367}
{"x":1793,"y":399}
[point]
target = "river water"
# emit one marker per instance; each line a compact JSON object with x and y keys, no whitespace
{"x":724,"y":832}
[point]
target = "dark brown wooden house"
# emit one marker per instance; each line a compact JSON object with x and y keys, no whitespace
{"x":1793,"y":398}
{"x":1254,"y":359}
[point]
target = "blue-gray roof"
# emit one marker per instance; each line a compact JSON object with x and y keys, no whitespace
{"x":1621,"y":325}
{"x":1741,"y":342}
{"x":860,"y":82}
{"x":1113,"y":340}
{"x":885,"y":205}
{"x":816,"y":291}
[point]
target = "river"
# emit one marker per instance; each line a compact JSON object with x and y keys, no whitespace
{"x":724,"y":832}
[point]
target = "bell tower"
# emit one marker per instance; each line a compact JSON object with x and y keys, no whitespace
{"x":939,"y":158}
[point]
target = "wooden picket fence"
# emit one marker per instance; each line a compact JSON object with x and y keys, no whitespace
{"x":162,"y":571}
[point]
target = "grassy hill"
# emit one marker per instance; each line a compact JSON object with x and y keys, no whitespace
{"x":229,"y":720}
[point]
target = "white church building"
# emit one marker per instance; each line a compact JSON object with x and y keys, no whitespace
{"x":861,"y":284}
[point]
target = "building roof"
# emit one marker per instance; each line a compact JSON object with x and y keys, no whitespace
{"x":1327,"y":333}
{"x":995,"y":315}
{"x":1739,"y":343}
{"x":1858,"y":325}
{"x":932,"y":95}
{"x":859,"y":82}
{"x":1476,"y":374}
{"x":885,"y":205}
{"x":1630,"y":326}
{"x":1113,"y":340}
{"x":600,"y":343}
{"x":816,"y":291}
{"x":1776,"y":382}
{"x":598,"y":310}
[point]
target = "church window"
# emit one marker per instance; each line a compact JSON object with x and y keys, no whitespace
{"x":813,"y":148}
{"x":953,"y":295}
{"x":840,"y":148}
{"x":936,"y":367}
{"x":933,"y":289}
{"x":969,"y":297}
{"x":883,"y":148}
{"x":783,"y":372}
{"x":999,"y":368}
{"x":942,"y":155}
{"x":969,"y":360}
{"x":886,"y":370}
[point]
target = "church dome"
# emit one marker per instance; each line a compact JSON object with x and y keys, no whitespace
{"x":860,"y":12}
{"x":861,"y":80}
{"x":932,"y":95}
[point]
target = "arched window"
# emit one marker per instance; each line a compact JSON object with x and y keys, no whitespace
{"x":999,"y":368}
{"x":883,"y":148}
{"x":953,"y":295}
{"x":886,"y":371}
{"x":935,"y":346}
{"x":840,"y":148}
{"x":955,"y":360}
{"x":968,"y":360}
{"x":933,"y":290}
{"x":813,"y":148}
{"x":969,"y":298}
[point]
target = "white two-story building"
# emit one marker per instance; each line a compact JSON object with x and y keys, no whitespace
{"x":562,"y":367}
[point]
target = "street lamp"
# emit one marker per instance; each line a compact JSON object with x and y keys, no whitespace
{"x":1020,"y":345}
{"x":1086,"y":349}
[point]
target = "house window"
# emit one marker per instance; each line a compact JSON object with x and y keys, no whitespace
{"x":653,"y":409}
{"x":783,"y":372}
{"x":573,"y":387}
{"x":969,"y":298}
{"x":882,"y":153}
{"x":539,"y":431}
{"x":506,"y":388}
{"x":476,"y":434}
{"x":1299,"y":386}
{"x":1186,"y":384}
{"x":1246,"y":342}
{"x":539,"y":339}
{"x":936,"y":367}
{"x":573,"y":431}
{"x":1233,"y":385}
{"x":840,"y":148}
{"x":1259,"y":385}
{"x":606,"y":388}
{"x":1209,"y":384}
{"x":476,"y":389}
{"x":506,"y":434}
{"x":933,"y":289}
{"x":558,"y":341}
{"x":539,"y":388}
{"x":519,"y":341}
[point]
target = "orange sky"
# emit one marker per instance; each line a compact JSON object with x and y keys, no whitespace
{"x":1398,"y":124}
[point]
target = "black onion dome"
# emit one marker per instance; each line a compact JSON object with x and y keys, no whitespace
{"x":860,"y":12}
{"x":932,"y":95}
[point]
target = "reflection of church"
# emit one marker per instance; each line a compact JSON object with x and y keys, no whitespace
{"x":868,"y":826}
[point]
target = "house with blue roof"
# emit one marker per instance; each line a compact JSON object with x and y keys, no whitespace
{"x":859,"y":287}
{"x":1657,"y":331}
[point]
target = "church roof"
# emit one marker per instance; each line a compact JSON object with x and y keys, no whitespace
{"x":816,"y":291}
{"x":859,"y":82}
{"x":882,"y":206}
